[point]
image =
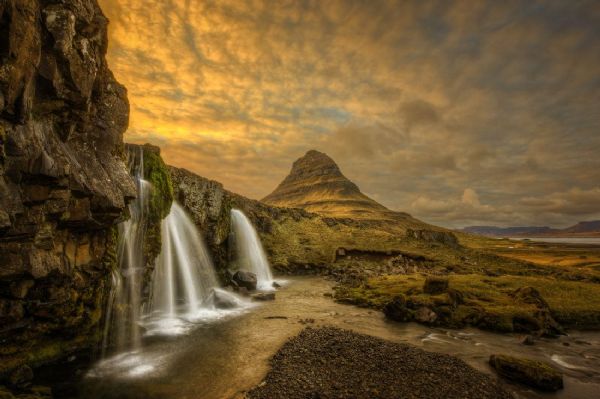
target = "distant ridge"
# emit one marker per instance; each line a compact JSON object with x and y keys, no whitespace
{"x":317,"y":184}
{"x":581,"y":229}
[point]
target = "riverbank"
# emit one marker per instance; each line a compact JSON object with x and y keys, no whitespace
{"x":230,"y":356}
{"x":333,"y":363}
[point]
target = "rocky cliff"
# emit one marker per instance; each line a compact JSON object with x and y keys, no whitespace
{"x":317,"y":184}
{"x":63,"y":182}
{"x":296,"y":241}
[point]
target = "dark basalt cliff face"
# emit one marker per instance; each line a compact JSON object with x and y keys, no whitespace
{"x":316,"y":184}
{"x":63,"y":182}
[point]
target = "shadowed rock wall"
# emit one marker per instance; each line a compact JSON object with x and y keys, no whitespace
{"x":63,"y":182}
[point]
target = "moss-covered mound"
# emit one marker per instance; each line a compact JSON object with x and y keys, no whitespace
{"x":504,"y":303}
{"x":533,"y":373}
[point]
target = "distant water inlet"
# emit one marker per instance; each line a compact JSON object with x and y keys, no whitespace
{"x":248,"y":251}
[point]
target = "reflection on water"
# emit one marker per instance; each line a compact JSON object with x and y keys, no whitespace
{"x":226,"y":356}
{"x":561,"y":240}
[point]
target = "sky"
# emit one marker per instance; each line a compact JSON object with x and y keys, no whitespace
{"x":458,"y":112}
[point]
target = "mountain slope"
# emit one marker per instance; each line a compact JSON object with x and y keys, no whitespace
{"x":317,"y":184}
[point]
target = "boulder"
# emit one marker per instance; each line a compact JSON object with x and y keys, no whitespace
{"x":425,"y":315}
{"x":245,"y":279}
{"x":528,"y":340}
{"x":222,"y":300}
{"x":542,"y":321}
{"x":533,"y":373}
{"x":264,"y":296}
{"x":396,"y":310}
{"x":435,"y":285}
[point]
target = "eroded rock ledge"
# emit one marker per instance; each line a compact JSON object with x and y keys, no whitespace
{"x":63,"y":182}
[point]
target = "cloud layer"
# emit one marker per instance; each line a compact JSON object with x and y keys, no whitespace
{"x":458,"y":112}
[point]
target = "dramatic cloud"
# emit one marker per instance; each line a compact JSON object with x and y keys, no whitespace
{"x":458,"y":112}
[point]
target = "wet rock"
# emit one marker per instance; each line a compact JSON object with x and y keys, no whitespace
{"x":263,"y":296}
{"x":245,"y":279}
{"x":397,"y":310}
{"x":222,"y":301}
{"x":435,"y":285}
{"x":276,"y":284}
{"x":532,"y":373}
{"x":528,"y":340}
{"x":425,"y":315}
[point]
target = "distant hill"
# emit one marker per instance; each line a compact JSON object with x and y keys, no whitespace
{"x":317,"y":185}
{"x":581,"y":229}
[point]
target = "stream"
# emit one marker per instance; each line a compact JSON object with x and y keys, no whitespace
{"x":226,"y":356}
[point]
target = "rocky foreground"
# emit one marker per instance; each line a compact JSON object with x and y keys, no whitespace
{"x":333,"y":363}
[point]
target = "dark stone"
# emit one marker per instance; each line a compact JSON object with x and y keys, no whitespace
{"x":245,"y":279}
{"x":276,"y":284}
{"x":435,"y":285}
{"x":528,"y":340}
{"x":397,"y":310}
{"x":533,"y":373}
{"x":264,"y":296}
{"x":222,"y":301}
{"x":425,"y":315}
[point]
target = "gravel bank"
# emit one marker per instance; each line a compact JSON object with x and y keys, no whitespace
{"x":333,"y":363}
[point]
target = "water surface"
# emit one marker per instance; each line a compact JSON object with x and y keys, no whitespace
{"x":225,"y":357}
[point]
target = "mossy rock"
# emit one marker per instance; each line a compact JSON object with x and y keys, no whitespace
{"x":157,"y":173}
{"x":533,"y":373}
{"x":397,"y":310}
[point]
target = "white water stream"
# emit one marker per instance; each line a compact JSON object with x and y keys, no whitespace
{"x":249,"y":253}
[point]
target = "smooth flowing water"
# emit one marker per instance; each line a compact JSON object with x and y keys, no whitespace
{"x":224,"y":358}
{"x":248,"y":251}
{"x":182,"y":292}
{"x":184,"y":275}
{"x":123,"y":309}
{"x":561,"y":240}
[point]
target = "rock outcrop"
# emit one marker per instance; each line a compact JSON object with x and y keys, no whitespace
{"x":316,"y":184}
{"x":534,"y":373}
{"x":434,"y":237}
{"x":209,"y":205}
{"x":63,"y":182}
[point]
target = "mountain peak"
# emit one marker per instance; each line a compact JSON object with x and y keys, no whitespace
{"x":317,"y":184}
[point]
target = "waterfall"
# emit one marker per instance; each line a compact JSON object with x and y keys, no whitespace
{"x":124,"y":302}
{"x":249,"y":253}
{"x":183,"y":290}
{"x":184,"y":275}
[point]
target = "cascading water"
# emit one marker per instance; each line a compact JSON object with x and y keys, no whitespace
{"x":183,"y":290}
{"x":184,"y":275}
{"x":249,"y":253}
{"x":123,"y":310}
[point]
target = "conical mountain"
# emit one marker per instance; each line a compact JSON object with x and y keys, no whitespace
{"x":316,"y":184}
